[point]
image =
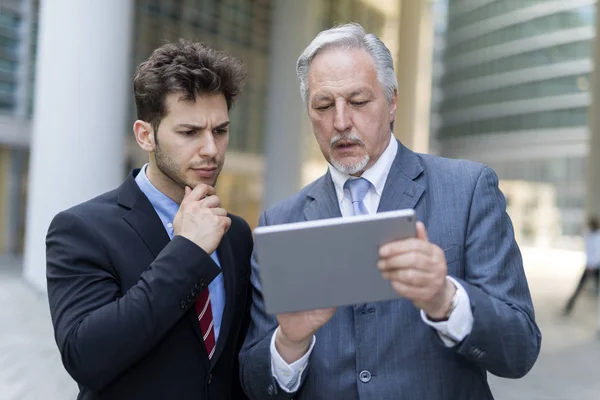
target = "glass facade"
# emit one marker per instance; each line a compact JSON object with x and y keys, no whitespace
{"x":10,"y":25}
{"x":489,"y":57}
{"x":18,"y":31}
{"x":581,"y":17}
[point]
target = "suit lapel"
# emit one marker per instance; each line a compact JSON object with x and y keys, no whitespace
{"x":401,"y":190}
{"x":141,"y":216}
{"x":228,"y":268}
{"x":323,"y":200}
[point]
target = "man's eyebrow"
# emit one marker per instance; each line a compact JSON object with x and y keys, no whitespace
{"x":320,"y":97}
{"x":222,"y":125}
{"x":200,"y":127}
{"x":190,"y":126}
{"x":357,"y":92}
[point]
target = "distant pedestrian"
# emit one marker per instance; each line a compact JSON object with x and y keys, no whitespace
{"x":592,"y":265}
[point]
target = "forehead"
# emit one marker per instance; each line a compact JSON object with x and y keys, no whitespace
{"x":204,"y":105}
{"x":340,"y":68}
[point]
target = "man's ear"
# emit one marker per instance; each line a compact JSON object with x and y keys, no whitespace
{"x":144,"y":135}
{"x":393,"y":105}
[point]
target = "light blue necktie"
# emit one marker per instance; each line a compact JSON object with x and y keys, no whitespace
{"x":358,"y":190}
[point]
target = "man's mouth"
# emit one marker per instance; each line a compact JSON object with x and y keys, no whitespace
{"x":205,"y":172}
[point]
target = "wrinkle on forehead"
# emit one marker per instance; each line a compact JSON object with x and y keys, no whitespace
{"x":336,"y":69}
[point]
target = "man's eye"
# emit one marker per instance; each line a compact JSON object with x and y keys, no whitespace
{"x":221,"y":131}
{"x":321,"y":108}
{"x":359,"y":103}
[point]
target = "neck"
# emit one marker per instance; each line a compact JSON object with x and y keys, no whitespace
{"x":164,"y":184}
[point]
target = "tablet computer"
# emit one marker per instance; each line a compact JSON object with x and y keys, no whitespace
{"x":328,"y":262}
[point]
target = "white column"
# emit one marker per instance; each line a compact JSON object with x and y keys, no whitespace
{"x":294,"y":25}
{"x":413,"y":70}
{"x":592,"y":200}
{"x":82,"y":87}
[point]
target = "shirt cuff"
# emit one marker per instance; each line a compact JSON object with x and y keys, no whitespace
{"x":288,"y":376}
{"x":460,"y":322}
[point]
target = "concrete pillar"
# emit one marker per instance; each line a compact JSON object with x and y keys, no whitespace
{"x":413,"y":70}
{"x":592,"y":199}
{"x":592,"y":196}
{"x":82,"y":87}
{"x":294,"y":25}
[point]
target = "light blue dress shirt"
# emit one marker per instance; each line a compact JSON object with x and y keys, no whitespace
{"x":166,"y":210}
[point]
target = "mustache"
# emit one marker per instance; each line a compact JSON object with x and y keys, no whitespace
{"x":347,"y":138}
{"x":213,"y":163}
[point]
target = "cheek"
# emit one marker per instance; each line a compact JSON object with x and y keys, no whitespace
{"x":222,"y":144}
{"x":322,"y":129}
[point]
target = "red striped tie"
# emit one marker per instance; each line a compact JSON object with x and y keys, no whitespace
{"x":205,"y":317}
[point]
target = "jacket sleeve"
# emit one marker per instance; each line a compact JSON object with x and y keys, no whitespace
{"x":255,"y":358}
{"x":100,"y":331}
{"x":505,"y":339}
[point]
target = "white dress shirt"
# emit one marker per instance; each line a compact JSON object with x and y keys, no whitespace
{"x":452,"y":331}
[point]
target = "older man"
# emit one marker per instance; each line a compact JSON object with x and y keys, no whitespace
{"x":465,"y":307}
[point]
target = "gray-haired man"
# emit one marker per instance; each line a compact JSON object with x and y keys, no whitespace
{"x":465,"y":307}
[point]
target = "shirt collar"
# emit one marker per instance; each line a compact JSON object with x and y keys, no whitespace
{"x":377,"y":174}
{"x":165,"y":207}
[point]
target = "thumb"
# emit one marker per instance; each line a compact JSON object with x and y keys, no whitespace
{"x":421,"y":231}
{"x":188,"y":190}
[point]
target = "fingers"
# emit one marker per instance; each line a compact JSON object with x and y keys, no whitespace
{"x":210,"y":202}
{"x":227,"y":223}
{"x":421,"y":231}
{"x":198,"y":193}
{"x":218,"y":211}
{"x":409,"y":277}
{"x":403,"y":260}
{"x":406,"y":246}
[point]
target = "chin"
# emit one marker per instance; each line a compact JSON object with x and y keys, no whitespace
{"x":351,"y":168}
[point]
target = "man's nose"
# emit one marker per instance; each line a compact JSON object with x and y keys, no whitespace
{"x":208,"y":145}
{"x":342,"y":119}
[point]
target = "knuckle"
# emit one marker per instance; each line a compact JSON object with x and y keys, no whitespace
{"x":413,"y":258}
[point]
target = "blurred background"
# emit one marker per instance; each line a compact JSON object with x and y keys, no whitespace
{"x":510,"y":83}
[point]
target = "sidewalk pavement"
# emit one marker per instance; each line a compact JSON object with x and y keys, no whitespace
{"x":568,"y":367}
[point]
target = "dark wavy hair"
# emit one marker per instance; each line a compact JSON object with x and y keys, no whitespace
{"x":188,"y":68}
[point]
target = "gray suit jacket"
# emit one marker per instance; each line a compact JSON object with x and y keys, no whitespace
{"x":464,"y":212}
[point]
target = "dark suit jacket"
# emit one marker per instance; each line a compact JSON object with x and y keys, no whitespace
{"x":384,"y":350}
{"x":122,"y":294}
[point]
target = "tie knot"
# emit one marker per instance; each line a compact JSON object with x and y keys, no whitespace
{"x":358,"y":188}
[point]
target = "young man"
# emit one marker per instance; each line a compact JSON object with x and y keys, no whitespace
{"x":148,"y":283}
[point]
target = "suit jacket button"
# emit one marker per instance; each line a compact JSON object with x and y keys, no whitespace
{"x":271,"y":390}
{"x":209,"y":379}
{"x":183,"y":304}
{"x":364,"y":376}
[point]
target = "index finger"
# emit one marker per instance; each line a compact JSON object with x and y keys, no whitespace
{"x":199,"y":192}
{"x":404,"y":246}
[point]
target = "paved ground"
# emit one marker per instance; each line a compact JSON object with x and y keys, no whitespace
{"x":568,"y":367}
{"x":30,"y":366}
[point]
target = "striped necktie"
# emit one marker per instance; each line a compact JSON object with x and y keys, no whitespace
{"x":205,"y":317}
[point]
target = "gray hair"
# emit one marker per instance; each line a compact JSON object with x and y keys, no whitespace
{"x":350,"y":36}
